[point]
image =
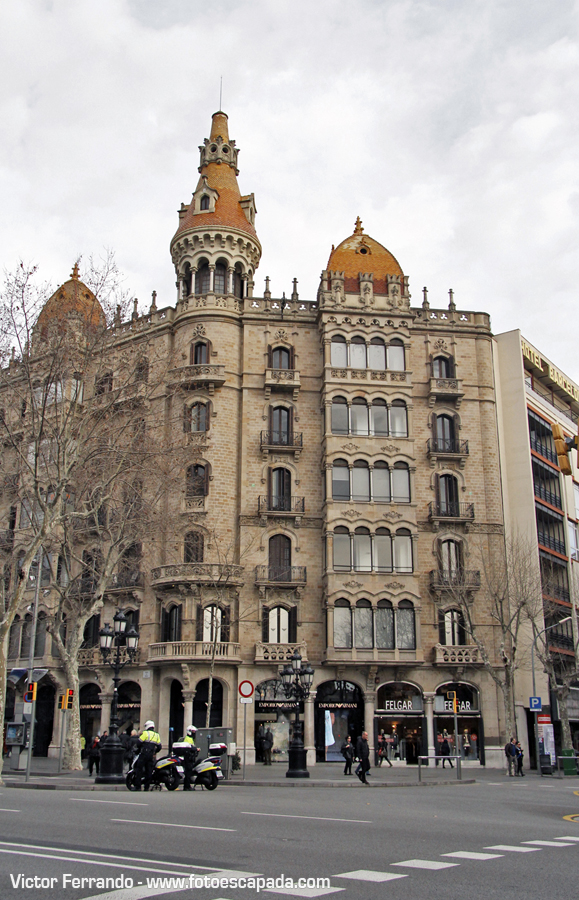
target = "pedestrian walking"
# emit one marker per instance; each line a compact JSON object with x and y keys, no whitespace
{"x":383,"y":749}
{"x":94,"y":755}
{"x":520,"y":757}
{"x":348,"y":753}
{"x":511,"y":754}
{"x":445,"y":752}
{"x":267,"y":746}
{"x":363,"y":754}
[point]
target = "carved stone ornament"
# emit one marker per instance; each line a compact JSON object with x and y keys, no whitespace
{"x":390,"y":448}
{"x":440,"y":345}
{"x":198,"y":331}
{"x":353,"y":584}
{"x":394,"y":585}
{"x":353,"y":514}
{"x":281,"y":335}
{"x":350,"y":447}
{"x":392,"y":516}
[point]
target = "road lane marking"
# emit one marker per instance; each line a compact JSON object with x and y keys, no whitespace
{"x":470,"y":854}
{"x":90,"y":862}
{"x":123,"y":802}
{"x":425,"y":864}
{"x":512,"y":848}
{"x":135,"y":893}
{"x":173,"y":825}
{"x":568,"y":837}
{"x":9,"y":810}
{"x":572,"y":818}
{"x":548,"y":843}
{"x":369,"y":875}
{"x":318,"y":818}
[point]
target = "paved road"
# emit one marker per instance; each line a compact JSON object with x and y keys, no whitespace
{"x":500,"y":837}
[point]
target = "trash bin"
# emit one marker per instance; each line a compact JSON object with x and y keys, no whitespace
{"x":545,"y":763}
{"x":569,"y":762}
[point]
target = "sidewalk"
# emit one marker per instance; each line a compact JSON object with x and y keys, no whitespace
{"x":44,"y":776}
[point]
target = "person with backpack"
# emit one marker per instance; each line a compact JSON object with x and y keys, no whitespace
{"x":511,"y":754}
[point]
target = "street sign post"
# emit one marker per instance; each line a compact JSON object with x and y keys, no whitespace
{"x":245,"y":696}
{"x":535,"y":704}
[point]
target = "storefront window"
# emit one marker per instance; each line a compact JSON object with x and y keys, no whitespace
{"x":469,"y":721}
{"x":339,"y":712}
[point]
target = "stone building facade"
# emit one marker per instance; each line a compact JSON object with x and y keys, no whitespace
{"x":341,"y":477}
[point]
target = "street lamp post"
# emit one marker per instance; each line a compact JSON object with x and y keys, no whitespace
{"x":297,"y":681}
{"x":533,"y":645}
{"x":111,"y":641}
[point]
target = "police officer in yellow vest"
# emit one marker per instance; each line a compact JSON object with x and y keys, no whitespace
{"x":189,"y":756}
{"x":149,"y":745}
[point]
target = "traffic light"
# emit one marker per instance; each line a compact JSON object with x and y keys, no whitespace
{"x":62,"y":701}
{"x":452,"y":696}
{"x":563,"y":446}
{"x":69,"y":698}
{"x":30,"y":692}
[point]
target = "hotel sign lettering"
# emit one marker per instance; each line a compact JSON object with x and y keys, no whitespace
{"x":544,"y":365}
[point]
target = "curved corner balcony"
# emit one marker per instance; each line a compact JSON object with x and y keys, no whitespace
{"x":201,"y":376}
{"x":193,"y":651}
{"x":196,"y":573}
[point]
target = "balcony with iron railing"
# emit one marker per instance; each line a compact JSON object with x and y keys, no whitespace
{"x":459,"y":580}
{"x":287,"y":380}
{"x":438,"y":509}
{"x":126,"y":580}
{"x":557,"y":592}
{"x":278,"y":654}
{"x":205,"y":375}
{"x":278,"y":441}
{"x":543,"y":449}
{"x":281,"y":506}
{"x":282,"y":576}
{"x":196,"y":573}
{"x":447,"y":447}
{"x":550,"y":541}
{"x":194,"y":651}
{"x":543,"y":492}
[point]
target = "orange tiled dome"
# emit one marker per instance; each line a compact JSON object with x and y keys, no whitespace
{"x":72,"y":297}
{"x":360,"y":253}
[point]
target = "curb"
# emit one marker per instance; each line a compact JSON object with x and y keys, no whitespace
{"x":303,"y":784}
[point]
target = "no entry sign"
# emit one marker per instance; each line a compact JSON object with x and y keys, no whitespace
{"x":245,"y":688}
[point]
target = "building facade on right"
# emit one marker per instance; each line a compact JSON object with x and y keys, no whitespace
{"x":541,"y":510}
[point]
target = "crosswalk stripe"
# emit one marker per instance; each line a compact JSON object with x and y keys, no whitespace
{"x":568,"y":837}
{"x":304,"y":892}
{"x":557,"y":843}
{"x":369,"y":875}
{"x":425,"y":864}
{"x":470,"y":854}
{"x":512,"y":848}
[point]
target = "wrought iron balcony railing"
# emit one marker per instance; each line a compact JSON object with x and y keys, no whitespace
{"x":291,"y":505}
{"x":293,"y":440}
{"x":465,"y":579}
{"x":448,"y":446}
{"x":280,"y":575}
{"x":441,"y":509}
{"x":550,"y":541}
{"x":543,"y":449}
{"x":545,"y":494}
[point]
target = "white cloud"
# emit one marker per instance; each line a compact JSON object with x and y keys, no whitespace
{"x":448,"y":127}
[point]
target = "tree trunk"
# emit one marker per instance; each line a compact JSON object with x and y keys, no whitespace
{"x":509,"y":701}
{"x":212,"y":668}
{"x":71,"y":758}
{"x":562,"y":693}
{"x":4,"y":633}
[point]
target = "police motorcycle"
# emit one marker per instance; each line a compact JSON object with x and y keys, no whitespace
{"x":208,"y":772}
{"x":168,"y":772}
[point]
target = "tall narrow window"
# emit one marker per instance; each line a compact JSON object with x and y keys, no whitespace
{"x":451,"y":630}
{"x":395,"y":355}
{"x":398,"y":419}
{"x":384,"y":625}
{"x":339,"y":416}
{"x":448,"y":495}
{"x":362,"y":550}
{"x":204,"y":202}
{"x":401,"y":483}
{"x":381,"y":482}
{"x":278,"y":626}
{"x":193,"y":547}
{"x":220,"y":278}
{"x":280,"y":358}
{"x":171,"y":624}
{"x":442,"y":367}
{"x":361,"y":481}
{"x":342,"y":625}
{"x":280,"y":497}
{"x":383,"y":550}
{"x":200,"y":353}
{"x":358,"y":353}
{"x":363,"y":631}
{"x":450,"y":560}
{"x":342,"y":559}
{"x":340,"y":480}
{"x":405,"y":626}
{"x":280,"y":558}
{"x":445,"y":436}
{"x":202,"y":279}
{"x":379,"y":417}
{"x":212,"y":624}
{"x":403,"y":551}
{"x":196,"y":482}
{"x":377,"y":354}
{"x":197,"y":417}
{"x":339,"y":352}
{"x":359,"y":414}
{"x":280,"y":426}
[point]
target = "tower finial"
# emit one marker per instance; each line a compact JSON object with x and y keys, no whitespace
{"x":74,"y":273}
{"x":358,"y":226}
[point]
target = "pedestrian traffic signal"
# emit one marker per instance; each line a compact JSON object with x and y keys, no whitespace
{"x":452,"y":696}
{"x":30,"y":692}
{"x":69,"y":698}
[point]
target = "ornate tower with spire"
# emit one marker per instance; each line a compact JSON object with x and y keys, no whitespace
{"x":215,"y":250}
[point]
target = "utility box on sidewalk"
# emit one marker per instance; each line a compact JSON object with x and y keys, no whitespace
{"x":569,"y":762}
{"x":207,"y":736}
{"x":545,"y":763}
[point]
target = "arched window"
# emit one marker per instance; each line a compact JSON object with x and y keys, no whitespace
{"x":448,"y":504}
{"x":381,"y":482}
{"x":342,"y":625}
{"x":280,"y":489}
{"x":382,"y":550}
{"x":445,"y":434}
{"x":171,"y":624}
{"x":40,"y":642}
{"x":450,"y":560}
{"x":91,"y":637}
{"x":339,"y":351}
{"x":202,"y":279}
{"x":220,"y":279}
{"x":280,"y":558}
{"x":377,"y":354}
{"x":193,"y":547}
{"x":361,"y":481}
{"x":280,"y":426}
{"x":238,"y":282}
{"x":342,"y":560}
{"x":212,"y":624}
{"x":103,"y":384}
{"x":451,"y":631}
{"x":187,"y":280}
{"x":142,"y":370}
{"x":204,"y":202}
{"x":405,"y":626}
{"x":359,"y":414}
{"x":280,"y":358}
{"x":398,"y":419}
{"x":132,"y":617}
{"x":403,"y":551}
{"x":363,"y":630}
{"x":199,"y":353}
{"x":196,"y":481}
{"x":339,"y":416}
{"x":379,"y":417}
{"x":401,"y":483}
{"x":196,"y":418}
{"x":14,"y":639}
{"x":384,"y":625}
{"x":340,"y":480}
{"x":358,"y":353}
{"x":279,"y":625}
{"x":362,"y":550}
{"x":395,"y":355}
{"x":26,"y":635}
{"x":442,"y":367}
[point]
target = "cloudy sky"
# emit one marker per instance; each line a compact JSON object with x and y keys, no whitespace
{"x":449,"y":127}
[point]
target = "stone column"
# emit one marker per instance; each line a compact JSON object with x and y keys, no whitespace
{"x":211,"y":279}
{"x":429,"y":713}
{"x":106,"y":700}
{"x":369,"y":706}
{"x":188,"y":697}
{"x":244,"y":280}
{"x":230,"y":281}
{"x":309,"y":730}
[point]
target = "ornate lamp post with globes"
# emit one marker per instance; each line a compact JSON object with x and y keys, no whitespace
{"x":111,"y":642}
{"x":297,"y":681}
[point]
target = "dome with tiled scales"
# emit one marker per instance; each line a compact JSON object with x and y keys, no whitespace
{"x":361,"y":253}
{"x":73,"y":300}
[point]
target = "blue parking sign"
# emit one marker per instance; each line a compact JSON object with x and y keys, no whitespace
{"x":535,"y":704}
